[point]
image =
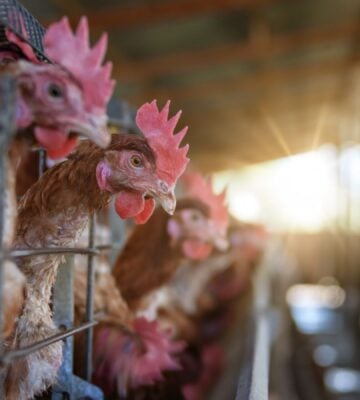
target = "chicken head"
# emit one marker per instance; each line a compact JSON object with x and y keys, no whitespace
{"x":200,"y":229}
{"x":67,"y":98}
{"x":144,"y":168}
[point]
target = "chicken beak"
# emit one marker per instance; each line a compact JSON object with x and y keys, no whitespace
{"x":218,"y":238}
{"x":95,"y":129}
{"x":166,"y":197}
{"x":221,"y":243}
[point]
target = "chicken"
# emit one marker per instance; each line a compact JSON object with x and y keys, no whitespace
{"x":150,"y":258}
{"x":53,"y":102}
{"x":215,"y":289}
{"x":159,"y":303}
{"x":56,"y":101}
{"x":198,"y":225}
{"x":202,"y":288}
{"x":207,"y":299}
{"x":55,"y":210}
{"x":61,"y":99}
{"x":153,"y":252}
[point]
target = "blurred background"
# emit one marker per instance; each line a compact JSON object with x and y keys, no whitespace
{"x":271,"y":91}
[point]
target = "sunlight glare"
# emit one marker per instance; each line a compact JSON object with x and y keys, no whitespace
{"x":293,"y":193}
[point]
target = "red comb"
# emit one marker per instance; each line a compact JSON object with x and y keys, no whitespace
{"x":171,"y":159}
{"x":200,"y":188}
{"x":73,"y":52}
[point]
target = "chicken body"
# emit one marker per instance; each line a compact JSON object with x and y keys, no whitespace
{"x":147,"y":260}
{"x":46,"y":218}
{"x":54,"y":212}
{"x":108,"y":302}
{"x":49,"y":106}
{"x":154,"y":251}
{"x":14,"y":280}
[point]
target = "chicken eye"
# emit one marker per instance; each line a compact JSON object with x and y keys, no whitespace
{"x":136,"y":162}
{"x":195,"y":217}
{"x":55,"y":91}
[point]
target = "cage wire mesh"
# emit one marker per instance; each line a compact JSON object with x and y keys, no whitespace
{"x":17,"y":18}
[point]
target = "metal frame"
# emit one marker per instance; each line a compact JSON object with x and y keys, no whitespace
{"x":253,"y":383}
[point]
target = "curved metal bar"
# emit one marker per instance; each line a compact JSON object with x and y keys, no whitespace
{"x":94,"y":251}
{"x":13,"y":354}
{"x":53,"y":250}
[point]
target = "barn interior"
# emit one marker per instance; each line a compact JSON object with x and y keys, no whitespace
{"x":270,"y":90}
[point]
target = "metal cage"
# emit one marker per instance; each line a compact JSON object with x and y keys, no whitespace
{"x":16,"y":17}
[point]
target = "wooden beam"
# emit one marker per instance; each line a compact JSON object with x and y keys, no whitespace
{"x":265,"y":81}
{"x":231,"y":53}
{"x":68,"y":7}
{"x":152,"y":12}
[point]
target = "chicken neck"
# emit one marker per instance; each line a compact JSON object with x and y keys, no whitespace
{"x":147,"y":260}
{"x":53,"y":212}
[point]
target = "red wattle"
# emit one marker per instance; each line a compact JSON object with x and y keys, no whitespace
{"x":63,"y":151}
{"x":133,"y":204}
{"x":129,"y":204}
{"x":56,"y":143}
{"x":196,"y":249}
{"x":146,"y":213}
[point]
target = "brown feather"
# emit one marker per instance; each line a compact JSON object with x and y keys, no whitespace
{"x":148,"y":260}
{"x":108,"y":304}
{"x":54,"y":212}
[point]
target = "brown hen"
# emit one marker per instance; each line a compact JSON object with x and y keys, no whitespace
{"x":55,"y":210}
